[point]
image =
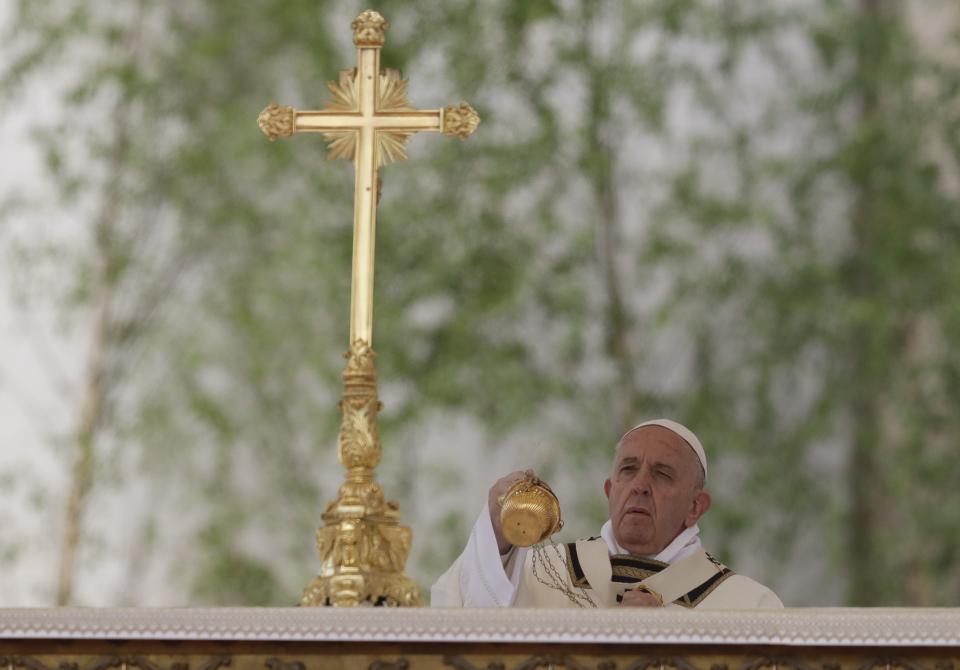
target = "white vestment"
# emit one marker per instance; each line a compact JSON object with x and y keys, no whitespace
{"x":595,"y":571}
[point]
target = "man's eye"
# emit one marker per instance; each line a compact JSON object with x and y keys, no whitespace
{"x":664,"y":474}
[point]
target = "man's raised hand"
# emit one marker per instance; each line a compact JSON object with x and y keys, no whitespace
{"x":497,"y":491}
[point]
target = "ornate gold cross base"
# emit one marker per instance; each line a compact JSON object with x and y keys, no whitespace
{"x":362,"y":545}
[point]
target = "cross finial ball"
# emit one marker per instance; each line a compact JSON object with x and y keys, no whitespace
{"x":369,"y":29}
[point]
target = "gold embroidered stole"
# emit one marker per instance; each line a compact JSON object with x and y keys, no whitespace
{"x":686,"y":583}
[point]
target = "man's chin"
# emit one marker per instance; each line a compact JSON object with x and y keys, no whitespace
{"x":635,"y":537}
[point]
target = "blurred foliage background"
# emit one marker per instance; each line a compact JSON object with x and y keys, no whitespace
{"x":743,"y":215}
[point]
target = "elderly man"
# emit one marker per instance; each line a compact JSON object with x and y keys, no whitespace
{"x":648,"y":553}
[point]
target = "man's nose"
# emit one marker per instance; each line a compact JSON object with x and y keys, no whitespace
{"x":641,"y":483}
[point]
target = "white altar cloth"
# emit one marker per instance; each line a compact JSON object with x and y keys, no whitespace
{"x":798,"y":627}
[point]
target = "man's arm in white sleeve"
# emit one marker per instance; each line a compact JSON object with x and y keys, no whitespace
{"x":480,"y":577}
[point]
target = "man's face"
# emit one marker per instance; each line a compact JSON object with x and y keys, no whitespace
{"x":652,"y":492}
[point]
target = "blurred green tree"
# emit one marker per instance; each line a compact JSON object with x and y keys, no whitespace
{"x":823,"y":293}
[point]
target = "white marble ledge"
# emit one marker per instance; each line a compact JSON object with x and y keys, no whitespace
{"x":800,"y":627}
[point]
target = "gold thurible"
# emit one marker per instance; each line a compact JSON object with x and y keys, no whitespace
{"x":530,"y":513}
{"x":363,"y":548}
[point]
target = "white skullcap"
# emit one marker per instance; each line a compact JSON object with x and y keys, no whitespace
{"x":680,"y":430}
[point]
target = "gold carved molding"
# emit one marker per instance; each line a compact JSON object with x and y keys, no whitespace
{"x":502,"y":658}
{"x":130,"y":662}
{"x":728,"y":661}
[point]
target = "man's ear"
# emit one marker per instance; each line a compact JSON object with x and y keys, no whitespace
{"x":606,"y":487}
{"x":699,"y":507}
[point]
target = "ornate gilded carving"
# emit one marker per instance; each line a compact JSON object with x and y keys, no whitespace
{"x":344,"y":98}
{"x":392,"y":92}
{"x":890,"y":663}
{"x":341,"y":144}
{"x":363,"y":548}
{"x":344,"y":92}
{"x":775,"y":663}
{"x":551,"y":661}
{"x":460,"y":121}
{"x":276,"y":121}
{"x":369,"y":29}
{"x":123,"y":663}
{"x":678,"y":663}
{"x":533,"y":663}
{"x":25,"y":663}
{"x":391,"y":147}
{"x":392,"y":97}
{"x":460,"y":663}
{"x":359,"y":434}
{"x":107,"y":663}
{"x":360,"y":367}
{"x":852,"y":657}
{"x":660,"y":663}
{"x":399,"y":664}
{"x":274,"y":663}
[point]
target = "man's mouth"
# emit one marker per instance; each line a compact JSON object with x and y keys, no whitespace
{"x":638,"y":510}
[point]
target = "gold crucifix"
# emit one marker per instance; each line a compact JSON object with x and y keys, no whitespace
{"x":363,"y":547}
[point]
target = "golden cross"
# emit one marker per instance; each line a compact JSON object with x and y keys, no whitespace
{"x":362,"y":545}
{"x":368,"y":121}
